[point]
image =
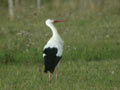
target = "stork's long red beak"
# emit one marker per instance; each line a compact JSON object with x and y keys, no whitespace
{"x":55,"y":21}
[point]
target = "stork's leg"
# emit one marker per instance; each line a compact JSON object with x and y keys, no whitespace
{"x":50,"y":76}
{"x":56,"y":74}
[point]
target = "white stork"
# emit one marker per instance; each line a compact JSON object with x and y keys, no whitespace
{"x":52,"y":51}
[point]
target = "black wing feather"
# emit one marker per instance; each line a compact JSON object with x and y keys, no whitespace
{"x":50,"y":59}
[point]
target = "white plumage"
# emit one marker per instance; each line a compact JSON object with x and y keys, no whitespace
{"x":55,"y":41}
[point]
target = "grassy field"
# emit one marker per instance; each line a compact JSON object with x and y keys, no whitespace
{"x":91,"y":57}
{"x":73,"y":75}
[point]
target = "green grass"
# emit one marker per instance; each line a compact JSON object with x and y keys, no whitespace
{"x":91,"y":57}
{"x":73,"y":75}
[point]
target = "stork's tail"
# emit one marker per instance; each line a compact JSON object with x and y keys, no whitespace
{"x":48,"y":69}
{"x":45,"y":71}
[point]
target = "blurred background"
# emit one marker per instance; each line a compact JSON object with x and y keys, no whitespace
{"x":17,"y":7}
{"x":91,"y":34}
{"x":93,"y":25}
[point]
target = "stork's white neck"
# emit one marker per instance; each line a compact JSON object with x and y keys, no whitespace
{"x":53,"y":29}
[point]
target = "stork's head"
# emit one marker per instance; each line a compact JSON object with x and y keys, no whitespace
{"x":50,"y":21}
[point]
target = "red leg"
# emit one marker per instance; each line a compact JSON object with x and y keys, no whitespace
{"x":50,"y":76}
{"x":56,"y":74}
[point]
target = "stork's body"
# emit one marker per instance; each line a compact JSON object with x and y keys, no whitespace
{"x":52,"y":52}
